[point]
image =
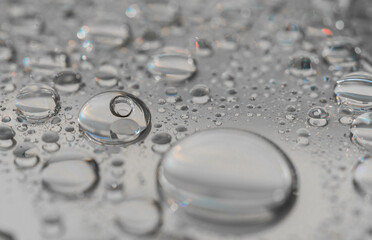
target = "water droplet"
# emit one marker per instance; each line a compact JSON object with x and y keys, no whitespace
{"x":200,"y":94}
{"x":302,"y":64}
{"x":150,"y":40}
{"x":47,"y":64}
{"x":227,"y":175}
{"x":362,"y":177}
{"x":139,"y":217}
{"x":104,"y":34}
{"x":70,"y":173}
{"x":355,"y":90}
{"x":361,"y":130}
{"x":114,"y":118}
{"x":161,"y":138}
{"x":6,"y":137}
{"x":107,"y":76}
{"x":67,"y":81}
{"x":340,"y":53}
{"x":26,"y":156}
{"x":201,"y":47}
{"x":37,"y":102}
{"x":318,"y":117}
{"x":172,"y":64}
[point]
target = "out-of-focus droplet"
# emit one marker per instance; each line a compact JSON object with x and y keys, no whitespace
{"x":67,"y":81}
{"x":361,"y":130}
{"x":70,"y":173}
{"x":302,"y":64}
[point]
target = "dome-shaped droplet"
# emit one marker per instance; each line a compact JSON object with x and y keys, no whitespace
{"x":355,"y":90}
{"x":200,"y":94}
{"x":70,"y":173}
{"x":149,"y":40}
{"x":67,"y":81}
{"x":340,"y":52}
{"x":362,"y":176}
{"x":106,"y":76}
{"x":6,"y":137}
{"x":227,"y":175}
{"x":172,"y":65}
{"x":37,"y":102}
{"x":104,"y":34}
{"x":361,"y":130}
{"x":138,"y":217}
{"x":114,"y":118}
{"x":302,"y":64}
{"x":47,"y":64}
{"x":26,"y":155}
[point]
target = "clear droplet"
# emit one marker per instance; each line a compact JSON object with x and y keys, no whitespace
{"x":37,"y":102}
{"x":114,"y":118}
{"x":70,"y":173}
{"x":138,"y":217}
{"x":172,"y":64}
{"x":200,"y":94}
{"x":6,"y":137}
{"x":302,"y":64}
{"x":67,"y":81}
{"x":362,"y":177}
{"x":228,"y":176}
{"x":106,"y":76}
{"x":361,"y":130}
{"x":201,"y":47}
{"x":355,"y":90}
{"x":26,"y":156}
{"x":318,"y":117}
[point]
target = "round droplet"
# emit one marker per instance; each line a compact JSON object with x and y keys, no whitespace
{"x":201,"y":47}
{"x":139,"y":217}
{"x":318,"y":117}
{"x":172,"y":64}
{"x":67,"y":81}
{"x":355,"y":90}
{"x":115,"y":118}
{"x":361,"y":130}
{"x":200,"y":94}
{"x":70,"y":173}
{"x":37,"y":102}
{"x":227,"y":175}
{"x":6,"y":137}
{"x":161,"y":138}
{"x":302,"y":64}
{"x":107,"y":76}
{"x":362,"y":177}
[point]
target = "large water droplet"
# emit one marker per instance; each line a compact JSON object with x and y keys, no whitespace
{"x":172,"y":65}
{"x":227,"y":175}
{"x":355,"y":90}
{"x":361,"y":130}
{"x":115,"y":118}
{"x":37,"y":102}
{"x":70,"y":173}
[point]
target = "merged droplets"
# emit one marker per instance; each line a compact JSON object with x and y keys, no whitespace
{"x":227,"y":175}
{"x":172,"y":64}
{"x":70,"y":173}
{"x":318,"y":117}
{"x":355,"y":90}
{"x":37,"y":102}
{"x":67,"y":81}
{"x":302,"y":64}
{"x":361,"y":130}
{"x":114,"y":118}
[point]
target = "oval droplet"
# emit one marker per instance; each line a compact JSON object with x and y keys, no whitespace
{"x":172,"y":64}
{"x":355,"y":90}
{"x":361,"y":130}
{"x":227,"y":175}
{"x":70,"y":173}
{"x":37,"y":102}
